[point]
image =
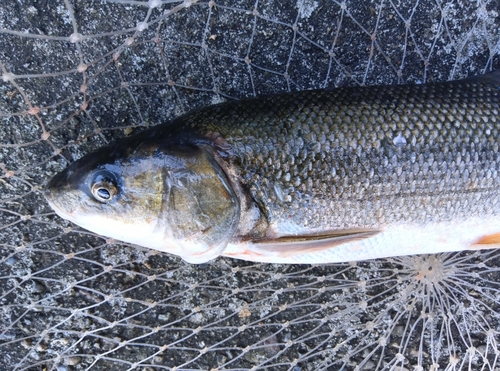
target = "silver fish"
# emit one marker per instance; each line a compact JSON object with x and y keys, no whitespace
{"x":306,"y":177}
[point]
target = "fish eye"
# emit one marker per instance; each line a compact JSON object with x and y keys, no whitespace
{"x":104,"y":187}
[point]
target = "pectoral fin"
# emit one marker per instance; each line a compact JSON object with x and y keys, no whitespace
{"x":287,"y":246}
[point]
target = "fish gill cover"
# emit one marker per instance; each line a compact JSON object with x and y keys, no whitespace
{"x":79,"y":74}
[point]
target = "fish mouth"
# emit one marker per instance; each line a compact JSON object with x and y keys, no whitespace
{"x":51,"y":188}
{"x":58,"y":193}
{"x":50,"y":197}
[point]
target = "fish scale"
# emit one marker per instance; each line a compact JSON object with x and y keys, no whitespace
{"x":358,"y":147}
{"x":313,"y":176}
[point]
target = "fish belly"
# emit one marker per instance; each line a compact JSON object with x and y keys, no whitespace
{"x":395,"y":240}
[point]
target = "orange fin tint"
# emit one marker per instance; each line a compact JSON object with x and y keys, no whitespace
{"x":489,"y":239}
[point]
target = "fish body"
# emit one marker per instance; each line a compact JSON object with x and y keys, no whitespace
{"x":308,"y":177}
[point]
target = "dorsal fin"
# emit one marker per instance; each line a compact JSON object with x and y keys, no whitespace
{"x":490,"y":78}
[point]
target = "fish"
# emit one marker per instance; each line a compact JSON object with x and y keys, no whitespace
{"x":307,"y":177}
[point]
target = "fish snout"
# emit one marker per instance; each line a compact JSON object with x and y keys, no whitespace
{"x":60,"y":194}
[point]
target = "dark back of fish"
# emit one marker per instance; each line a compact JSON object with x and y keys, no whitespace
{"x":365,"y":156}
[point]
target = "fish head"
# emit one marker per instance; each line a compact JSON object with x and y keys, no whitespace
{"x":173,"y":197}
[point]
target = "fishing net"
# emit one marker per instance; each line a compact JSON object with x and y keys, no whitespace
{"x":79,"y":74}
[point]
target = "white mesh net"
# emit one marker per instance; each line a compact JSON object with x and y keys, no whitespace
{"x":78,"y":74}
